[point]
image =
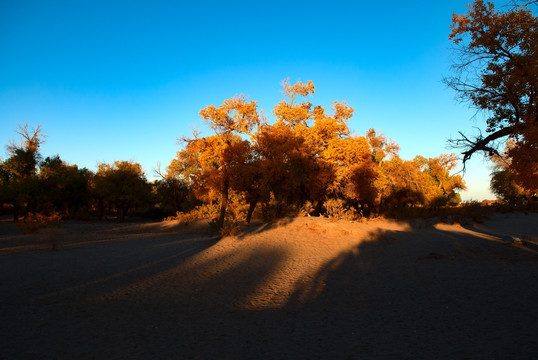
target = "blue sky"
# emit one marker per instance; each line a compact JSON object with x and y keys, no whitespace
{"x":123,"y":80}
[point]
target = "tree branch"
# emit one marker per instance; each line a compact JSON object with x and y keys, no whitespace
{"x":480,"y":143}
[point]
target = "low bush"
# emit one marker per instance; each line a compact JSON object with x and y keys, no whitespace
{"x":206,"y":211}
{"x":48,"y":222}
{"x":337,"y":209}
{"x":306,"y":209}
{"x":229,"y":228}
{"x":36,"y":221}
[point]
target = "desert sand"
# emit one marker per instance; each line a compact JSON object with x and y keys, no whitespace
{"x":297,"y":288}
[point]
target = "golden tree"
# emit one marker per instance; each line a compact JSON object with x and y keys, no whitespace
{"x":306,"y":155}
{"x":497,"y":71}
{"x":355,"y":171}
{"x":212,"y":163}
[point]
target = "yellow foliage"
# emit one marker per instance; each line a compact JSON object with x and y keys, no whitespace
{"x":381,"y":146}
{"x":303,"y":158}
{"x":234,"y":115}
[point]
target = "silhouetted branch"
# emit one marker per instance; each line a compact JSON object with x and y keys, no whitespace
{"x":30,"y":139}
{"x":516,"y":3}
{"x":481,"y":143}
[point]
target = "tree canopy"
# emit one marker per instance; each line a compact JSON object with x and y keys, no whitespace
{"x":306,"y":160}
{"x":497,"y":72}
{"x":307,"y":156}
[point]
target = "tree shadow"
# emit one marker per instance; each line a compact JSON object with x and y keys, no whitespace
{"x":426,"y":293}
{"x":260,"y":227}
{"x":420,"y":292}
{"x":129,"y":296}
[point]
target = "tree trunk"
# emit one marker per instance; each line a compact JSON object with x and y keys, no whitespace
{"x":223,"y":203}
{"x":122,"y":211}
{"x":16,"y":210}
{"x":251,"y":207}
{"x":278,"y":209}
{"x":100,"y":209}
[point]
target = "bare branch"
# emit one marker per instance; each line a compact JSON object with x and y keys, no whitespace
{"x":157,"y":170}
{"x":185,"y":140}
{"x":480,"y":143}
{"x":30,"y":138}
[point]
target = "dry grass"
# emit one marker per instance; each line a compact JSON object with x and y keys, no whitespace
{"x":201,"y":212}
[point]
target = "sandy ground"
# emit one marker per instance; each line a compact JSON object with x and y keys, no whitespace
{"x":306,"y":288}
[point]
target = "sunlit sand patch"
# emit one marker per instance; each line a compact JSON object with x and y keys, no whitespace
{"x":310,"y":256}
{"x":259,"y":271}
{"x":266,"y":269}
{"x":456,"y":228}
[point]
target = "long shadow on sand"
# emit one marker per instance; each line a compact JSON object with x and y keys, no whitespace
{"x":424,"y":293}
{"x":427,"y":293}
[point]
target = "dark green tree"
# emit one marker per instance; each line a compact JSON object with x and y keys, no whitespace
{"x":19,"y":171}
{"x":63,"y":188}
{"x":173,"y":193}
{"x":120,"y":186}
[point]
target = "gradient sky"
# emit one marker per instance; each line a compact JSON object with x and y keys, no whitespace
{"x":123,"y":81}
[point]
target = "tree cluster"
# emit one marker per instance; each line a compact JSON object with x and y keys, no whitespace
{"x":307,"y":156}
{"x":31,"y":185}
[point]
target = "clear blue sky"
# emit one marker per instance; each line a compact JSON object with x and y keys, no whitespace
{"x":123,"y":80}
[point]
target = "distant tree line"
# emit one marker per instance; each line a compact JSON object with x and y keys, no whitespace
{"x":30,"y":184}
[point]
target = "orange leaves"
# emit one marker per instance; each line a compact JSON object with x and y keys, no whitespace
{"x":348,"y":151}
{"x":427,"y":180}
{"x":306,"y":155}
{"x":292,"y":115}
{"x":210,"y":163}
{"x":352,"y":160}
{"x":330,"y":127}
{"x":496,"y":71}
{"x":381,"y":146}
{"x":524,"y":160}
{"x":499,"y":34}
{"x":234,"y":115}
{"x":295,"y":114}
{"x":299,"y":117}
{"x":342,"y":111}
{"x":122,"y":166}
{"x":459,"y":26}
{"x":297,"y":89}
{"x":278,"y":140}
{"x":478,"y":18}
